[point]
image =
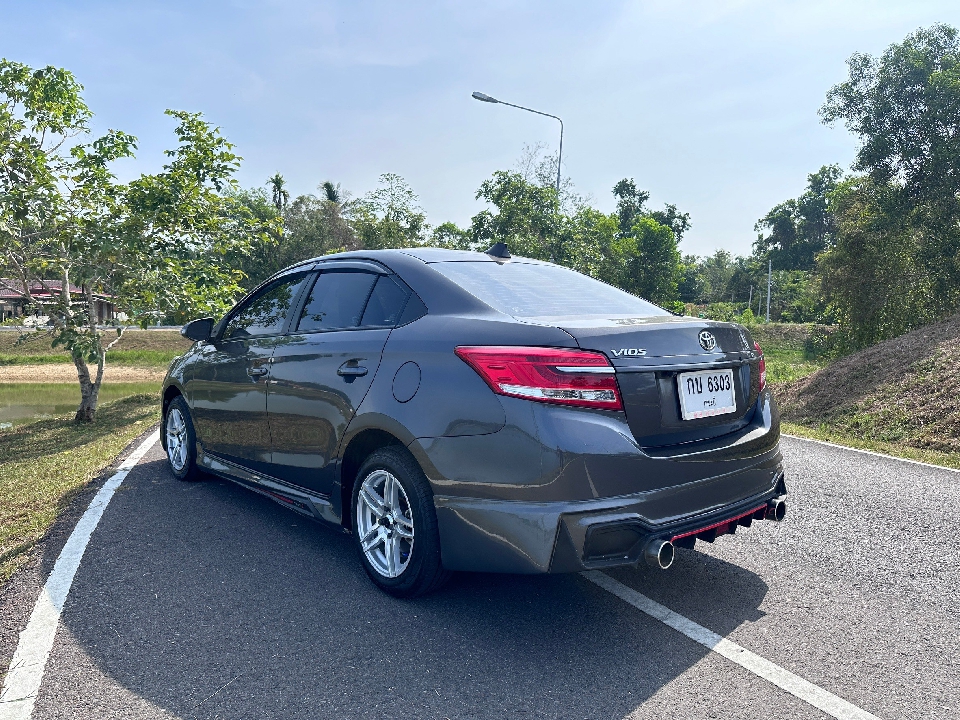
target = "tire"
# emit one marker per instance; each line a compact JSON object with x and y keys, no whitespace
{"x":180,"y":441}
{"x":395,"y":525}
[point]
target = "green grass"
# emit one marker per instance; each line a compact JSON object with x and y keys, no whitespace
{"x":44,"y":464}
{"x":831,"y":434}
{"x":786,"y":364}
{"x":128,"y":358}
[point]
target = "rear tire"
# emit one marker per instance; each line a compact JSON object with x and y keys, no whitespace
{"x":395,"y":525}
{"x":180,"y":441}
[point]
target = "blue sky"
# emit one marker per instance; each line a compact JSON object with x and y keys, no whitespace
{"x":711,"y":105}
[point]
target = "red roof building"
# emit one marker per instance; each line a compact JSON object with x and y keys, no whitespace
{"x":13,"y":303}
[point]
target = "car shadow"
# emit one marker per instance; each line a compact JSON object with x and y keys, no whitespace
{"x":206,"y":600}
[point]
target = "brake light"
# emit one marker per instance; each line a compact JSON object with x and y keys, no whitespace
{"x":551,"y":375}
{"x":763,"y":366}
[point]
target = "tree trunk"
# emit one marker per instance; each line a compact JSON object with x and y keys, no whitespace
{"x":89,"y":389}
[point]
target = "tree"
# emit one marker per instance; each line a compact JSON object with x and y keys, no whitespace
{"x":448,"y":235}
{"x":795,"y":231}
{"x":677,"y":221}
{"x":528,"y":218}
{"x":900,"y":225}
{"x":156,"y":246}
{"x":390,"y":216}
{"x":646,"y":262}
{"x":279,"y":194}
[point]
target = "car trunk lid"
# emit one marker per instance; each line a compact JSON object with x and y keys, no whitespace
{"x":650,"y":354}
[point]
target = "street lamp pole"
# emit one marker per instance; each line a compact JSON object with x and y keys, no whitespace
{"x":486,"y":98}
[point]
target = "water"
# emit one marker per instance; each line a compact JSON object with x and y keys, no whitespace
{"x":26,"y":402}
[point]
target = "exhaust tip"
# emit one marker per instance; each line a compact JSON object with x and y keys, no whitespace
{"x":659,"y":553}
{"x":776,"y":509}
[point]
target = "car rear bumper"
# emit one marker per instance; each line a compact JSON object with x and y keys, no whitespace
{"x":541,"y":494}
{"x":484,"y":535}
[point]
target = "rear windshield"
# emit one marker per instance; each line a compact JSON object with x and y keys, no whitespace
{"x":544,"y":291}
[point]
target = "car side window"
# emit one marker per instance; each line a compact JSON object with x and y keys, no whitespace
{"x":336,"y":301}
{"x":266,"y":312}
{"x":385,"y":304}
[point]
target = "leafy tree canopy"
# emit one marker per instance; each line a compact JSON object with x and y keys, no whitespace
{"x":156,"y":246}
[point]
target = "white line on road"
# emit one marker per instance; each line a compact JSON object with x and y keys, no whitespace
{"x":871,"y":452}
{"x":22,"y":684}
{"x":784,"y":679}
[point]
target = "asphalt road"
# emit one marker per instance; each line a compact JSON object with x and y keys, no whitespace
{"x":205,"y":600}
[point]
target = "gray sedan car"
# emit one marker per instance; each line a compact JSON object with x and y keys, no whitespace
{"x":476,"y":411}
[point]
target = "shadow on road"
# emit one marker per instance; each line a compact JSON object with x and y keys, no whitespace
{"x":206,"y":600}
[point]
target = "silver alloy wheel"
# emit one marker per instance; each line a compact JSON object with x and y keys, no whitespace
{"x":176,"y":439}
{"x":385,"y":523}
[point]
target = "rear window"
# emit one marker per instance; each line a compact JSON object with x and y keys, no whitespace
{"x":544,"y":291}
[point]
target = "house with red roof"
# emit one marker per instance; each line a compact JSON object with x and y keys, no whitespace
{"x":13,"y":302}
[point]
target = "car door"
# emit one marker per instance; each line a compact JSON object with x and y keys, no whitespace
{"x":320,"y":375}
{"x":228,"y":391}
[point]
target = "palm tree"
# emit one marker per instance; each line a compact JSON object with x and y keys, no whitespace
{"x":280,"y":196}
{"x":331,"y":191}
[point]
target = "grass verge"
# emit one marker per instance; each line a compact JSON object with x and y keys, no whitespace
{"x":135,"y":358}
{"x":933,"y":457}
{"x":44,"y":465}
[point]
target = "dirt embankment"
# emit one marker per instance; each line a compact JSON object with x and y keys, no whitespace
{"x":905,"y":390}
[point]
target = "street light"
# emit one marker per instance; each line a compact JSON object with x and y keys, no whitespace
{"x":486,"y":98}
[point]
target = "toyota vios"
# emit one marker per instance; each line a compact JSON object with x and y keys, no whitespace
{"x":469,"y":411}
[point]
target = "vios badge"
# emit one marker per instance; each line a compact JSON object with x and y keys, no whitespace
{"x":707,"y":340}
{"x":632,"y":352}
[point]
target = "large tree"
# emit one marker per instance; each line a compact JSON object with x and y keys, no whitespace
{"x":794,"y":232}
{"x":156,"y":247}
{"x":900,"y":225}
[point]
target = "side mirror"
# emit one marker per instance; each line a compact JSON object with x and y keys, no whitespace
{"x":198,"y":330}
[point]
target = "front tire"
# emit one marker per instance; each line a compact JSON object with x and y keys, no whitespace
{"x":395,"y":525}
{"x":180,"y":441}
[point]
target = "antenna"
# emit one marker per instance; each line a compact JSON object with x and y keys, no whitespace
{"x":499,"y":250}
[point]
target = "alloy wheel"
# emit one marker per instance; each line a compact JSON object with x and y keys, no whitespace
{"x":385,"y":523}
{"x":176,"y":439}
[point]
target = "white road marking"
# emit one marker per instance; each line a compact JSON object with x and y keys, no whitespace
{"x":22,"y":684}
{"x":784,"y":679}
{"x":871,"y":452}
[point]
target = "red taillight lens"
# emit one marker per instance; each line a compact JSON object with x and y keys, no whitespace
{"x":763,"y":366}
{"x":565,"y":377}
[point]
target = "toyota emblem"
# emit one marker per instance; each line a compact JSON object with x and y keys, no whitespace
{"x":707,"y":340}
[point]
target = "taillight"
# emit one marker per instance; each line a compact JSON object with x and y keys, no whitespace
{"x":763,"y":366}
{"x":565,"y":377}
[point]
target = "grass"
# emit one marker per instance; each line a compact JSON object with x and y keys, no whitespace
{"x":44,"y":465}
{"x":830,"y":434}
{"x":137,"y":348}
{"x":786,"y":364}
{"x":127,"y":358}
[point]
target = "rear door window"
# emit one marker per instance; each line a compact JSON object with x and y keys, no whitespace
{"x":336,"y":301}
{"x":385,"y":304}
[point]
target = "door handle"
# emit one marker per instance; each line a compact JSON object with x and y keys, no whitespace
{"x":257,"y":371}
{"x":348,"y":370}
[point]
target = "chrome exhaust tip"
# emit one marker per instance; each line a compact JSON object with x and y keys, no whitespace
{"x":776,"y":509}
{"x":659,"y":553}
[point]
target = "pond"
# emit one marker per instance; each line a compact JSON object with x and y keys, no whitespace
{"x":25,"y":402}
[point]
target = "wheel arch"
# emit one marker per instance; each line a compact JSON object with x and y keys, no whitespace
{"x":169,"y":393}
{"x":359,"y":448}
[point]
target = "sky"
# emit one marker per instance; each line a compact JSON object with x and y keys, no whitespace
{"x":708,"y":104}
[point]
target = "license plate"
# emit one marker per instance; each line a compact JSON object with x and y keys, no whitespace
{"x":706,"y":393}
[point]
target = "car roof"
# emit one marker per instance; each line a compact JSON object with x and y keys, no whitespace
{"x":423,"y":254}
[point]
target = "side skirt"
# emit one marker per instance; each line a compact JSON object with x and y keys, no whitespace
{"x":287,"y":495}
